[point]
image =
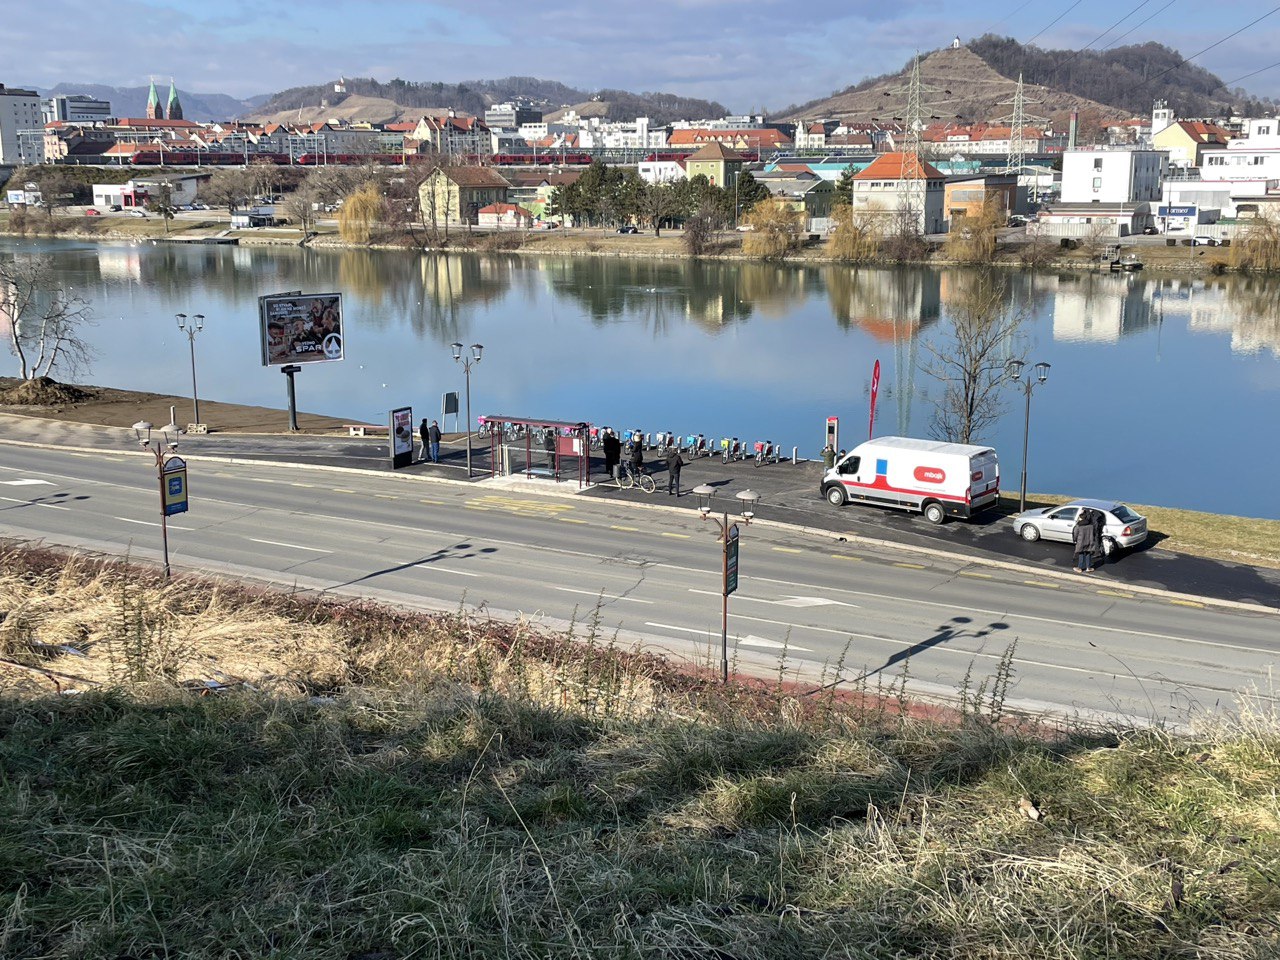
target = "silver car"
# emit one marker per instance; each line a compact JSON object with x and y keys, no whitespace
{"x":1122,"y":528}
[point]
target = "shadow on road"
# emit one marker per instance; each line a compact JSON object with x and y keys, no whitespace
{"x":953,"y":629}
{"x":460,"y":551}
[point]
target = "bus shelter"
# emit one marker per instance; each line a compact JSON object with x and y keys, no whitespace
{"x":557,"y":449}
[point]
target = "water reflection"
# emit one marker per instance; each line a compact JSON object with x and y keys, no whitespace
{"x":761,"y":350}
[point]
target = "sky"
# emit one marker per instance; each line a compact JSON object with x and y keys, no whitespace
{"x":747,"y":54}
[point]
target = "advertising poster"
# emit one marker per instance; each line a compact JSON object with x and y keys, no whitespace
{"x":301,"y":328}
{"x":401,"y":431}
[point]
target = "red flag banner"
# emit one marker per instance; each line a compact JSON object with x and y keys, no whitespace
{"x":875,"y":389}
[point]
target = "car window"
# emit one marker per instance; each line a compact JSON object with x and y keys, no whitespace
{"x":850,"y":465}
{"x":1124,"y":514}
{"x":1065,"y":513}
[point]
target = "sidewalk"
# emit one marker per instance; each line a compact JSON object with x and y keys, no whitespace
{"x":789,"y":493}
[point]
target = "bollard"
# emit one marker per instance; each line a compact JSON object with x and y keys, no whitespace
{"x":795,"y":455}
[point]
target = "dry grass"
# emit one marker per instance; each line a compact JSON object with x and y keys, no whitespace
{"x":473,"y":789}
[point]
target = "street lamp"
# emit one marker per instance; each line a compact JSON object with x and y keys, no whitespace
{"x":171,"y":473}
{"x":729,"y":538}
{"x":467,"y":364}
{"x":191,"y":328}
{"x":1014,"y":369}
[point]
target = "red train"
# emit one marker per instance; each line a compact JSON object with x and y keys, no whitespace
{"x":212,"y":158}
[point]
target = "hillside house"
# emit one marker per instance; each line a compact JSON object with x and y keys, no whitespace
{"x":455,"y":195}
{"x":903,"y":185}
{"x":1187,"y":140}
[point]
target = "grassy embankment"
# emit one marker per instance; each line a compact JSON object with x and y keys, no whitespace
{"x":391,"y":785}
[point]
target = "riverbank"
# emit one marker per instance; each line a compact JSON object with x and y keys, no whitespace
{"x":594,"y":242}
{"x":255,"y":773}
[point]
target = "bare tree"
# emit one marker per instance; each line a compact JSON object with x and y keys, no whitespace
{"x":969,"y":364}
{"x":228,"y":188}
{"x":299,"y":207}
{"x":43,"y":320}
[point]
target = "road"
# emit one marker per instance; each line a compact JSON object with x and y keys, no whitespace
{"x":1083,"y":647}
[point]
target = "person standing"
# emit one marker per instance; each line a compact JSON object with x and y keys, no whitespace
{"x":433,"y":434}
{"x":612,"y":447}
{"x":1099,"y":546}
{"x":637,"y":457}
{"x":549,"y":445}
{"x":1082,"y":539}
{"x":675,"y":463}
{"x":828,"y":457}
{"x":424,"y":432}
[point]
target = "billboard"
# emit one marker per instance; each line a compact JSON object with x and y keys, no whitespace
{"x":1177,"y":211}
{"x":401,"y":430}
{"x":300,"y":328}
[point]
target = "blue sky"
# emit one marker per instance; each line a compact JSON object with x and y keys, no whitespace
{"x":747,"y":54}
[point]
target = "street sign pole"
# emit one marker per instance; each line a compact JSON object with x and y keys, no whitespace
{"x":729,"y":585}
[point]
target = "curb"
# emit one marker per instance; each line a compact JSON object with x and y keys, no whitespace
{"x":663,"y":508}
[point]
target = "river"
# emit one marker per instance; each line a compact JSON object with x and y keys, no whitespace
{"x":1161,"y":390}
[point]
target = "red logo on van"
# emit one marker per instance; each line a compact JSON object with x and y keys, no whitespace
{"x":930,"y":475}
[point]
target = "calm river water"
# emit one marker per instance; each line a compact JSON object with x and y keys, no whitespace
{"x":1162,"y":391}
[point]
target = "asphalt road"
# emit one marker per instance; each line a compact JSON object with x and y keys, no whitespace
{"x":1083,"y":646}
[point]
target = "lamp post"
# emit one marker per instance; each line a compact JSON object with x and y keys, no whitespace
{"x":191,"y":328}
{"x":171,"y":473}
{"x":467,"y":364}
{"x":1014,"y":369}
{"x":729,"y":538}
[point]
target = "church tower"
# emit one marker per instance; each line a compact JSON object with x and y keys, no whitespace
{"x":154,"y":110}
{"x":175,"y":108}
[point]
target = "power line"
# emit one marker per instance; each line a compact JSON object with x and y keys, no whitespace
{"x":1058,"y":69}
{"x":1254,"y":74}
{"x":1053,"y":21}
{"x":1009,"y":16}
{"x":1236,"y":33}
{"x":1137,"y":25}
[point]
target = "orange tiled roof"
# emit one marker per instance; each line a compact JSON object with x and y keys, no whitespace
{"x":1203,"y":132}
{"x":899,"y":166}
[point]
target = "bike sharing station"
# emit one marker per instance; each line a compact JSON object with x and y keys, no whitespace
{"x":550,"y":449}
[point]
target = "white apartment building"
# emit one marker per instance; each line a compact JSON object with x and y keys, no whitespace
{"x":19,"y":111}
{"x":75,"y":108}
{"x":1112,"y":176}
{"x":1255,"y":156}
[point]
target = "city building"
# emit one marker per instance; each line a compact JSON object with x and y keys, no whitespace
{"x":965,"y":196}
{"x":903,"y":185}
{"x":718,"y":163}
{"x":455,"y":195}
{"x":511,"y":116}
{"x":1112,"y":176}
{"x":75,"y":108}
{"x":807,"y":193}
{"x":19,"y":111}
{"x":1187,"y":140}
{"x":452,"y":135}
{"x":504,"y":216}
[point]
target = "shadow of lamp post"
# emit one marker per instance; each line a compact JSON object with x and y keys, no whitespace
{"x":729,"y":540}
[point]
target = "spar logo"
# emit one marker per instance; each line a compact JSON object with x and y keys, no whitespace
{"x":930,"y":474}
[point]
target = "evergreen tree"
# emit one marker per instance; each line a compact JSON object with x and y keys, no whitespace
{"x":844,"y":189}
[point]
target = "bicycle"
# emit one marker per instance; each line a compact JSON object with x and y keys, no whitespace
{"x":766,"y":452}
{"x":629,"y":479}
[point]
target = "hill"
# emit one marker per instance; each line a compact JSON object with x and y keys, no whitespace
{"x":132,"y":101}
{"x":963,"y":86}
{"x":1128,"y":78}
{"x":403,"y":99}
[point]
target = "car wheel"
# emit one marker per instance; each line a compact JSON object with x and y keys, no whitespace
{"x":835,"y":496}
{"x":1029,"y":532}
{"x":934,"y":513}
{"x":1109,"y":547}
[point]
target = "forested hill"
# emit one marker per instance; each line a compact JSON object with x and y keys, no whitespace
{"x":1128,"y":77}
{"x":473,"y":96}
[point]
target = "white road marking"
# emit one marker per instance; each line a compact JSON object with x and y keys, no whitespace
{"x":435,"y":567}
{"x":785,"y":602}
{"x":291,"y":546}
{"x":602,"y":596}
{"x":149,"y":523}
{"x":27,"y":483}
{"x":750,"y":640}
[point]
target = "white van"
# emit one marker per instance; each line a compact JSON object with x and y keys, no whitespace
{"x":938,"y":479}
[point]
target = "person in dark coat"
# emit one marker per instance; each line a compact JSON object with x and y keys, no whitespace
{"x":549,"y":445}
{"x":1083,"y":539}
{"x":423,"y":432}
{"x":433,"y":435}
{"x":1099,"y":525}
{"x":675,"y":463}
{"x":612,"y":448}
{"x":828,"y":457}
{"x":637,"y":458}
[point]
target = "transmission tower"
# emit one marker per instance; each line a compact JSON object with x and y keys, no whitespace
{"x":1017,"y":159}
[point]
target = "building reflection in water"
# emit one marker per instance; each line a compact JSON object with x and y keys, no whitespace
{"x":1100,"y":307}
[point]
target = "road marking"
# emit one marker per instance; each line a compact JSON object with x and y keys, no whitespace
{"x":784,"y":602}
{"x":750,"y":640}
{"x":259,"y":480}
{"x":149,"y":523}
{"x":51,"y":506}
{"x":627,"y":529}
{"x":386,"y":496}
{"x":1115,"y":593}
{"x":909,"y":566}
{"x":787,"y":550}
{"x":678,"y":536}
{"x":342,"y":490}
{"x":570,"y":520}
{"x":845,"y":556}
{"x":437,"y":503}
{"x":28,"y":483}
{"x":524,"y":508}
{"x":1041,"y":583}
{"x":971,"y":573}
{"x":292,"y":546}
{"x":302,"y":484}
{"x":603,"y":596}
{"x":1187,"y":603}
{"x":435,"y":567}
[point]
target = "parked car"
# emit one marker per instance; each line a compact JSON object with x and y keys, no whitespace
{"x":92,"y":212}
{"x":1150,"y":231}
{"x":1203,"y":242}
{"x":628,"y":228}
{"x":1017,"y":221}
{"x":115,"y":208}
{"x":199,"y":206}
{"x":137,"y":213}
{"x":1122,"y":528}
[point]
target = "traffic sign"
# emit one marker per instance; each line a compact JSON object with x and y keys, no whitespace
{"x":173,"y":486}
{"x":731,"y":561}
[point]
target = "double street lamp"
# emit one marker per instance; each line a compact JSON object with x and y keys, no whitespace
{"x":191,"y":327}
{"x":467,"y":363}
{"x":1014,"y":369}
{"x":171,"y":473}
{"x":729,"y":570}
